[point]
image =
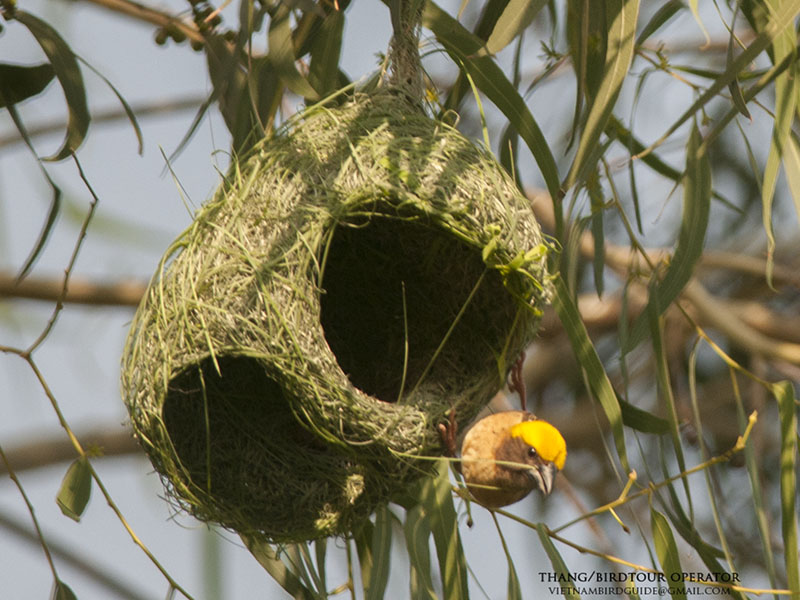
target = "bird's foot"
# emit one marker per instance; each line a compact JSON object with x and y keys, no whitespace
{"x":448,"y":433}
{"x":516,"y":382}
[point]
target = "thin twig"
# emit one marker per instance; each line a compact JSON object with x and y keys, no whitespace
{"x":27,"y":356}
{"x":32,"y":513}
{"x":156,"y":108}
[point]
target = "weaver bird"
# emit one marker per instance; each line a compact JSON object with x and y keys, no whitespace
{"x":507,"y":454}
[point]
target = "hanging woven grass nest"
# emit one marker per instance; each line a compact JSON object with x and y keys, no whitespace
{"x":360,"y":274}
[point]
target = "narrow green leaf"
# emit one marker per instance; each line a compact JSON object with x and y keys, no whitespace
{"x":490,"y":79}
{"x":301,"y":556}
{"x":18,"y":82}
{"x":516,"y":17}
{"x":125,"y":106}
{"x":791,"y":162}
{"x":734,"y":87}
{"x":688,"y":531}
{"x":513,"y":591}
{"x":587,"y":357}
{"x":659,"y":19}
{"x":229,"y":83}
{"x":320,"y":553}
{"x":598,"y":234}
{"x":615,"y":129}
{"x":323,"y":72}
{"x":587,"y":33}
{"x":641,"y":420}
{"x":381,"y":554}
{"x":437,"y":499}
{"x":696,"y":13}
{"x":653,"y":312}
{"x":268,"y":558}
{"x":691,"y":239}
{"x":198,"y":118}
{"x":76,"y":488}
{"x":756,"y":491}
{"x":363,"y":541}
{"x":787,"y":411}
{"x":417,"y":533}
{"x":621,"y":17}
{"x":509,"y":139}
{"x":667,"y":552}
{"x":559,"y":566}
{"x":281,"y":54}
{"x":61,"y":591}
{"x":69,"y":76}
{"x":491,"y":12}
{"x":55,"y":203}
{"x":786,"y":90}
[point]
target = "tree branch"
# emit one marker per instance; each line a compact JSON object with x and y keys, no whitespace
{"x":712,"y":311}
{"x":43,"y":453}
{"x":151,"y":15}
{"x":79,"y":291}
{"x":117,"y":114}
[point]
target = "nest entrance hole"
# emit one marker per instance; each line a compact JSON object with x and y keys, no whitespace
{"x":232,"y":428}
{"x":390,"y":282}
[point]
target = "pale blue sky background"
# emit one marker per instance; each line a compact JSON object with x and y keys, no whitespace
{"x":141,"y":210}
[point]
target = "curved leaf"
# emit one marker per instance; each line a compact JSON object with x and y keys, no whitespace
{"x":667,"y":552}
{"x":557,"y":561}
{"x":659,"y":19}
{"x":19,"y":82}
{"x":641,"y":420}
{"x":76,"y":489}
{"x":323,"y":72}
{"x":55,"y":203}
{"x":587,"y":357}
{"x":268,"y":558}
{"x":436,"y":498}
{"x":417,"y":533}
{"x":516,"y":17}
{"x":281,"y":55}
{"x":490,"y":79}
{"x":125,"y":106}
{"x":61,"y":591}
{"x":69,"y":76}
{"x":381,"y":554}
{"x":786,"y":90}
{"x":784,"y":394}
{"x":621,"y":17}
{"x":694,"y":223}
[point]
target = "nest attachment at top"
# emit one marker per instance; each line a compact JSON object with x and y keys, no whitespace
{"x":357,"y":276}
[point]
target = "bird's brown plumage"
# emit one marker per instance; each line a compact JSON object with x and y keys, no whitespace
{"x":486,"y":452}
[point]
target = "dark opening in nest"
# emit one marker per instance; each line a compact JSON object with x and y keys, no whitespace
{"x":231,"y":446}
{"x":392,"y":281}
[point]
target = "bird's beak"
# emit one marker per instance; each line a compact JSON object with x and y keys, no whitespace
{"x":544,"y":475}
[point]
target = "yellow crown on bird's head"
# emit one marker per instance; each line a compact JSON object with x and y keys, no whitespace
{"x":544,"y":438}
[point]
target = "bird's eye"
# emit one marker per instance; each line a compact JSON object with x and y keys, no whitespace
{"x":532,"y":452}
